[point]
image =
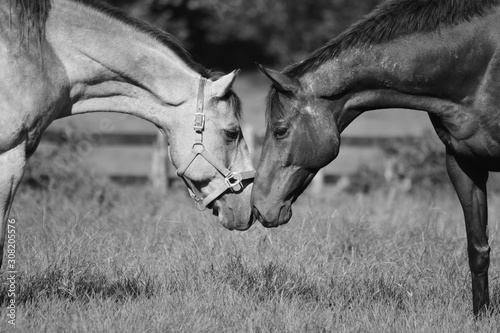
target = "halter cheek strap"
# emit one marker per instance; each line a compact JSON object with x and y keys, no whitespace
{"x":232,"y":180}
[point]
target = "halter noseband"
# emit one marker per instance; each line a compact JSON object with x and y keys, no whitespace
{"x":232,"y":180}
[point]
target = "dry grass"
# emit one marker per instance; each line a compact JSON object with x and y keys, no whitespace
{"x":346,"y":264}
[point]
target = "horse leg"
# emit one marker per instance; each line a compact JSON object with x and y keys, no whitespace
{"x":12,"y":164}
{"x":469,"y":181}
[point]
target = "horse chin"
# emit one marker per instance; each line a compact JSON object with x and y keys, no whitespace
{"x":233,"y":214}
{"x":215,"y":209}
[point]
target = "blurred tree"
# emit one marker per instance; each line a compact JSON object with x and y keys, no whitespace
{"x":227,"y":34}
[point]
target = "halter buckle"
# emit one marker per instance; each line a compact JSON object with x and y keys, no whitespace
{"x":199,"y":122}
{"x":197,"y":201}
{"x":232,"y":180}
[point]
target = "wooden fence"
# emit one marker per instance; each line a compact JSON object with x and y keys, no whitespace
{"x":161,"y":173}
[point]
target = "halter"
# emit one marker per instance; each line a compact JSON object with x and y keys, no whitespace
{"x":232,"y":180}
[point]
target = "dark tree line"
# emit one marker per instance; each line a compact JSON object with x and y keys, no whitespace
{"x":227,"y":34}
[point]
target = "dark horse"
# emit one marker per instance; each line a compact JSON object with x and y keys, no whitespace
{"x":437,"y":56}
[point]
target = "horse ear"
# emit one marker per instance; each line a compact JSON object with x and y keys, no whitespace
{"x":280,"y":81}
{"x":222,"y":85}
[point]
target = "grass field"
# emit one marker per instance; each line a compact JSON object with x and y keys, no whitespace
{"x":121,"y":260}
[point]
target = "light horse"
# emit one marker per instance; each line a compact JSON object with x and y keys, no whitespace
{"x":437,"y":56}
{"x":61,"y":58}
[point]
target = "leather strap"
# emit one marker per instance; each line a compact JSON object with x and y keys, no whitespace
{"x":221,"y":190}
{"x":232,"y":181}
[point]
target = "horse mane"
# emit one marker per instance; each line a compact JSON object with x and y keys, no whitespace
{"x":33,"y":15}
{"x":159,"y":35}
{"x":393,"y":19}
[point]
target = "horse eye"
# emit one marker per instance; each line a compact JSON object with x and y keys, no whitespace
{"x":280,"y":132}
{"x":232,"y":135}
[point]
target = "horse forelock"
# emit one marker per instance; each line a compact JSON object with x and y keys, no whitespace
{"x":275,"y":106}
{"x":235,"y":104}
{"x":393,"y":19}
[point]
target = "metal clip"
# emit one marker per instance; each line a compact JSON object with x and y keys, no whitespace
{"x":199,"y":205}
{"x":197,"y":201}
{"x":199,"y":122}
{"x":232,"y":180}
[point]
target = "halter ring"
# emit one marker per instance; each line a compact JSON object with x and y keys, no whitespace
{"x":232,"y":180}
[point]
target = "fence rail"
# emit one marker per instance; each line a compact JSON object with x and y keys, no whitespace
{"x":161,"y":172}
{"x":124,"y":139}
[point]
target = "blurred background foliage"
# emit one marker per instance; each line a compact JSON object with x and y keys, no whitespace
{"x":228,"y":34}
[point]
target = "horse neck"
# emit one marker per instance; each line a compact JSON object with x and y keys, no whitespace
{"x":113,"y":67}
{"x":435,"y":73}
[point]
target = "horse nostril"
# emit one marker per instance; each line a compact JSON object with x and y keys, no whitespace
{"x":284,"y":214}
{"x":256,"y":213}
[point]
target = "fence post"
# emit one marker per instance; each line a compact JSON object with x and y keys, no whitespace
{"x":250,"y":138}
{"x":160,"y":165}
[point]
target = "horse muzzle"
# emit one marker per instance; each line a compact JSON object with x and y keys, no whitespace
{"x":274,"y":216}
